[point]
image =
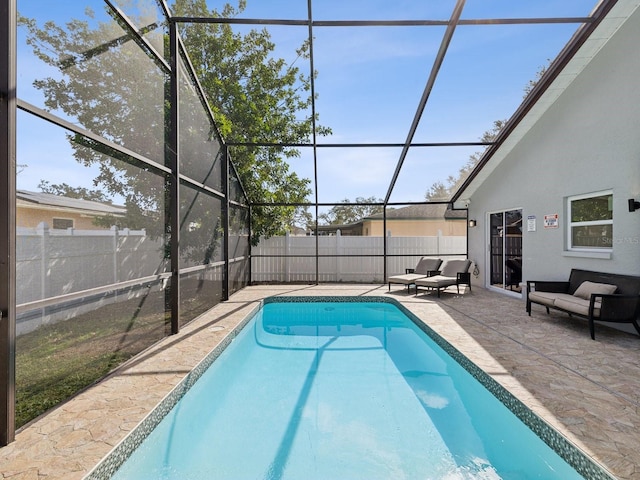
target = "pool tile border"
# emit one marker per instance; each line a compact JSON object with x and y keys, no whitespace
{"x":582,"y":463}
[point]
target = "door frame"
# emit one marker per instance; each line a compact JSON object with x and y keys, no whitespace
{"x":487,"y":237}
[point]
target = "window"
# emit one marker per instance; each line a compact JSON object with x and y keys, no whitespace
{"x":62,"y":223}
{"x":590,"y":221}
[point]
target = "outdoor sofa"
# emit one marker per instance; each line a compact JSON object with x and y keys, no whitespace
{"x":454,"y":272}
{"x":596,"y":296}
{"x":426,"y":266}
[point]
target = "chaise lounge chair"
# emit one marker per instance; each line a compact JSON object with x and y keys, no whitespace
{"x":424,"y":268}
{"x":454,"y":272}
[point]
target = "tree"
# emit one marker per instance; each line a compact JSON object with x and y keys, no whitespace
{"x":440,"y":191}
{"x":105,"y":83}
{"x":344,"y":214}
{"x":255,"y":98}
{"x":532,"y":83}
{"x":118,"y":92}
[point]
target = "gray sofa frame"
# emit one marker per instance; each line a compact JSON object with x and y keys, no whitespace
{"x":622,"y":306}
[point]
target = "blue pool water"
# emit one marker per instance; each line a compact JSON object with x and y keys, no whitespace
{"x":335,"y":390}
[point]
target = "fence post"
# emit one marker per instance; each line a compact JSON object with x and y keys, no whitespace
{"x":438,"y":237}
{"x":287,"y":262}
{"x":389,"y":246}
{"x":338,"y":252}
{"x":43,"y":231}
{"x":114,"y":229}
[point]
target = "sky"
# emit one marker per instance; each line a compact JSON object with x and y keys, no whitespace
{"x":369,"y":83}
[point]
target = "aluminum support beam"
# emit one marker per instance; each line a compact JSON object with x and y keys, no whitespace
{"x":7,"y":219}
{"x":173,"y":157}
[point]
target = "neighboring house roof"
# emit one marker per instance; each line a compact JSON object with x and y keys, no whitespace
{"x":421,"y":212}
{"x":334,"y":226}
{"x":582,"y":48}
{"x":59,"y":202}
{"x":429,"y":211}
{"x":298,"y":231}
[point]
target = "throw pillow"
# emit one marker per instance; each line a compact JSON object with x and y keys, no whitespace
{"x":587,"y":288}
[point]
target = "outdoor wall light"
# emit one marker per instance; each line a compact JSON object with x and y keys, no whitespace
{"x":633,"y":205}
{"x":472,"y":223}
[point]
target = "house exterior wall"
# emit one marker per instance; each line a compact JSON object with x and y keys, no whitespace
{"x":415,"y":228}
{"x":588,"y":141}
{"x":30,"y":217}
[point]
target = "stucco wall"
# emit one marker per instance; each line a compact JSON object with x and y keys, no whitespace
{"x":416,"y":228}
{"x":588,"y":141}
{"x":31,"y":217}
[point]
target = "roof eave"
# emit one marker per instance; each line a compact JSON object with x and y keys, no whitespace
{"x":473,"y":181}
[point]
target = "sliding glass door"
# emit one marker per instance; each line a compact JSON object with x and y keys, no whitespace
{"x":505,"y":250}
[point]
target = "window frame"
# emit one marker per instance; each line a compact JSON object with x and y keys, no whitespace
{"x":53,"y":223}
{"x":571,"y":224}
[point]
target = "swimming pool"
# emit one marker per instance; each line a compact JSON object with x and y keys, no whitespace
{"x":320,"y":388}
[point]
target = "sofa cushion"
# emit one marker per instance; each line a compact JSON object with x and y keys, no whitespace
{"x":452,"y":267}
{"x":545,"y":298}
{"x":587,"y":288}
{"x":575,"y":304}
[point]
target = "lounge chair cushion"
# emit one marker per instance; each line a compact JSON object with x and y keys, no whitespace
{"x":587,"y":288}
{"x":406,"y":279}
{"x":436,"y":281}
{"x":426,"y":265}
{"x":452,"y":267}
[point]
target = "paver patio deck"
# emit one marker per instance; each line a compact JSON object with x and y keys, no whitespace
{"x":588,"y":390}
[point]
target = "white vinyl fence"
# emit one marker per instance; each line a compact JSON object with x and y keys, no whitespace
{"x":54,"y":263}
{"x":292,"y":258}
{"x":51,"y":262}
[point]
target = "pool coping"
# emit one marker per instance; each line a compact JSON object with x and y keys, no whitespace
{"x":585,"y":465}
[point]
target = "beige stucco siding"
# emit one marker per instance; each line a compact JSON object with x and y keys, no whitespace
{"x":416,"y":228}
{"x":30,"y":217}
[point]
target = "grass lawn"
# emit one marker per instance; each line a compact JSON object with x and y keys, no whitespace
{"x":58,"y":360}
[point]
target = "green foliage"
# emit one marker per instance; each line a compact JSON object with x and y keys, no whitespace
{"x":438,"y":191}
{"x":111,"y":86}
{"x":532,"y":83}
{"x":256,"y":98}
{"x":344,"y":214}
{"x":116,"y":91}
{"x":592,"y":209}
